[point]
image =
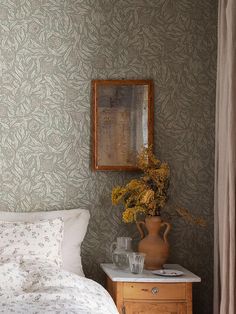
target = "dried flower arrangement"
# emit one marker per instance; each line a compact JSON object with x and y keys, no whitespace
{"x":147,"y":196}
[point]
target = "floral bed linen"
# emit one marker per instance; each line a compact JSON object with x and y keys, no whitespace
{"x":41,"y":287}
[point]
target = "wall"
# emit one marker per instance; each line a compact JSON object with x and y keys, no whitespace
{"x":49,"y":52}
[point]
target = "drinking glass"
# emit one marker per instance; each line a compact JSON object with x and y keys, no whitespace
{"x":136,"y":262}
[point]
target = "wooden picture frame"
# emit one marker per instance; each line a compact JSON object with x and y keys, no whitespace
{"x":122,"y":122}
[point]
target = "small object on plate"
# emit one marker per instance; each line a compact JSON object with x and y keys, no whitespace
{"x":167,"y":272}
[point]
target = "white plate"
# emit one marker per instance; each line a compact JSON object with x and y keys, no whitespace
{"x":168,"y":272}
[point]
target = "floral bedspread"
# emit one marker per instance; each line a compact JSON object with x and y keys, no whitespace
{"x":28,"y":287}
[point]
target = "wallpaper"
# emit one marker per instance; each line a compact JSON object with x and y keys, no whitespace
{"x":50,"y":50}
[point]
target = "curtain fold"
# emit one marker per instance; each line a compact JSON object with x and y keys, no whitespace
{"x":225,"y":162}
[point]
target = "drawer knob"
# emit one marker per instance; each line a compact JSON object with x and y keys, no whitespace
{"x":155,"y":290}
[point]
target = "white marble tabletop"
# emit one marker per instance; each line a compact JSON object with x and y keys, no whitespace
{"x":116,"y":274}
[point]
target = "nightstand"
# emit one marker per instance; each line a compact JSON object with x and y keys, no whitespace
{"x":150,"y":294}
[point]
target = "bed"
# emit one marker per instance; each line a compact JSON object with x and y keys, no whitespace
{"x":40,"y":265}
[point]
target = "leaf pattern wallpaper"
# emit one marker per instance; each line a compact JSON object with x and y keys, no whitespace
{"x":50,"y":50}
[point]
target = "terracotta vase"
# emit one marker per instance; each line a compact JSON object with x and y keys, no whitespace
{"x":153,"y":245}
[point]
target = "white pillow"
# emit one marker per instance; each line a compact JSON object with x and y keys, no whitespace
{"x":37,"y":241}
{"x":75,"y":227}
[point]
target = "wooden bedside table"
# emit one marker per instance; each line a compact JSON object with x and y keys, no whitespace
{"x":150,"y":294}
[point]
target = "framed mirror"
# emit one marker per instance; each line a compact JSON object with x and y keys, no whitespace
{"x":122,"y":122}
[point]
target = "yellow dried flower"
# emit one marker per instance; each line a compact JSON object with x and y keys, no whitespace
{"x":162,"y":201}
{"x":185,"y":214}
{"x":200,"y":221}
{"x":135,"y":185}
{"x":147,"y":197}
{"x":146,"y":159}
{"x":130,"y":214}
{"x":148,"y":194}
{"x":117,"y":194}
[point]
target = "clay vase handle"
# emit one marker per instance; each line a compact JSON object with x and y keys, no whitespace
{"x":139,"y":223}
{"x":168,"y":227}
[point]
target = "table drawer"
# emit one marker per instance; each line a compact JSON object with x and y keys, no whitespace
{"x":155,"y":307}
{"x":154,"y":291}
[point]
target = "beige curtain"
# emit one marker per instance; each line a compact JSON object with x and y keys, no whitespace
{"x":225,"y":163}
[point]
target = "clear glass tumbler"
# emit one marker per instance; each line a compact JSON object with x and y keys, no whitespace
{"x":136,"y":262}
